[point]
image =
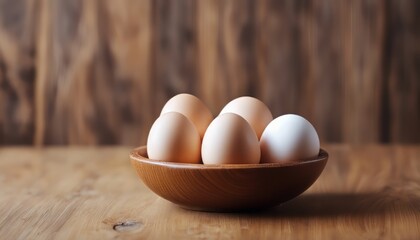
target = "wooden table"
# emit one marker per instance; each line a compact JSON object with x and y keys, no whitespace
{"x":365,"y":192}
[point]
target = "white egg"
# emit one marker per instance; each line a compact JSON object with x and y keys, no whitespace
{"x":289,"y":138}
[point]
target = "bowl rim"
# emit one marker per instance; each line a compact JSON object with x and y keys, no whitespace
{"x":136,"y":156}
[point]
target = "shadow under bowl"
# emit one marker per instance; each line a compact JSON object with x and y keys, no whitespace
{"x":227,"y":188}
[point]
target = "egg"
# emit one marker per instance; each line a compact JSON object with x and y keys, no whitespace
{"x":193,"y":108}
{"x":289,"y":138}
{"x":229,"y":139}
{"x":255,"y":112}
{"x":174,"y":138}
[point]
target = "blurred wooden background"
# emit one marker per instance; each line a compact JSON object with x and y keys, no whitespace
{"x":98,"y":71}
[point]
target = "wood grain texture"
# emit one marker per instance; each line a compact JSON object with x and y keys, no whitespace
{"x":365,"y":192}
{"x":101,"y":55}
{"x":98,"y":72}
{"x":18,"y":28}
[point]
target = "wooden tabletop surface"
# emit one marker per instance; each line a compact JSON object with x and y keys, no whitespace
{"x":365,"y":192}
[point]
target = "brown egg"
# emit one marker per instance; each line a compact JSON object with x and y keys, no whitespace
{"x":193,"y":108}
{"x":229,"y":139}
{"x":255,"y":112}
{"x":174,"y":138}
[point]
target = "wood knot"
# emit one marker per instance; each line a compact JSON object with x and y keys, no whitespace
{"x":127,"y":226}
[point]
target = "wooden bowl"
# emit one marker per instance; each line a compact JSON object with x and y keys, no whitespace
{"x":227,"y":188}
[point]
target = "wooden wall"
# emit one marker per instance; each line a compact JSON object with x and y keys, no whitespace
{"x":98,"y":71}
